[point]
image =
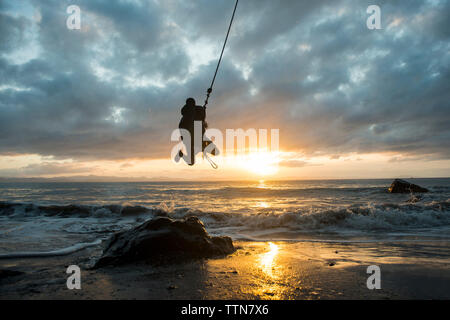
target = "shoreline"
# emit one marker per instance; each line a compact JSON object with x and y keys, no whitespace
{"x":257,"y":270}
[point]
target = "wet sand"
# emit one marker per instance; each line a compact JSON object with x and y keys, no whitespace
{"x":257,"y":270}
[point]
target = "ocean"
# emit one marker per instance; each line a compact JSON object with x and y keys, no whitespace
{"x":45,"y":219}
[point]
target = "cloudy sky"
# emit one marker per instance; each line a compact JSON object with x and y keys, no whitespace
{"x":103,"y":100}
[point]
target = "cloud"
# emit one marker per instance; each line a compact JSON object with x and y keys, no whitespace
{"x":12,"y":34}
{"x":114,"y":89}
{"x":293,"y":163}
{"x":46,"y":169}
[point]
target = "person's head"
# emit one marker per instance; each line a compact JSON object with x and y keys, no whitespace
{"x":190,"y":102}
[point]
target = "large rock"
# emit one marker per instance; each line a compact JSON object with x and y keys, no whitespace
{"x":163,"y":237}
{"x":9,"y":273}
{"x":402,"y":186}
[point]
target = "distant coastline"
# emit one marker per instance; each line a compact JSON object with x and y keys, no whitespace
{"x":112,"y":179}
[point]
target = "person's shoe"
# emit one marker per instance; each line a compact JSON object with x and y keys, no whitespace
{"x":214,"y":151}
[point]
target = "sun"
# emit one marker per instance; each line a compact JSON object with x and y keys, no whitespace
{"x":260,"y":163}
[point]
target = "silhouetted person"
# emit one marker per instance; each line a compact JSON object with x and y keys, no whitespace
{"x":190,"y":113}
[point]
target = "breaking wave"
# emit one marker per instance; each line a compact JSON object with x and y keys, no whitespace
{"x":369,"y":217}
{"x":74,"y":210}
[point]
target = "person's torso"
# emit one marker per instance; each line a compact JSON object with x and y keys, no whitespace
{"x":191,"y":114}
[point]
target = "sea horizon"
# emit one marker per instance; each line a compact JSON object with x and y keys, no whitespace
{"x":144,"y":180}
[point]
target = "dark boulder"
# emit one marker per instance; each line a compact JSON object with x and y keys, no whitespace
{"x":9,"y":273}
{"x":402,"y":186}
{"x":163,"y":237}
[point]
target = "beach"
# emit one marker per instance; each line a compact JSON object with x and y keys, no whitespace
{"x":294,"y":240}
{"x":257,"y":270}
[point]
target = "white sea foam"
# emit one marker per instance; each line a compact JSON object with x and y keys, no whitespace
{"x":53,"y":253}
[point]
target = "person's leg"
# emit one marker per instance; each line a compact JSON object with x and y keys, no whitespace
{"x":192,"y":149}
{"x":180,"y":153}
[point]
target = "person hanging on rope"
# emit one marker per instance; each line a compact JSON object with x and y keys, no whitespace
{"x":191,"y":113}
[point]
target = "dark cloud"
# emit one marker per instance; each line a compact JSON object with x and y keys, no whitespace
{"x":311,"y":68}
{"x":12,"y":32}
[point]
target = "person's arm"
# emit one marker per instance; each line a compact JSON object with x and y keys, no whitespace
{"x":183,"y":110}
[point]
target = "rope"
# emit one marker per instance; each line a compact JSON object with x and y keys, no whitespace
{"x":211,"y":162}
{"x":208,"y":92}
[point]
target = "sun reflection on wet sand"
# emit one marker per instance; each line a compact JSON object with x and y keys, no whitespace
{"x":267,"y":260}
{"x":270,"y":281}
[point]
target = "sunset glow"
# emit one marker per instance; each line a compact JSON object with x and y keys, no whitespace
{"x":260,"y":163}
